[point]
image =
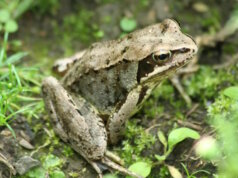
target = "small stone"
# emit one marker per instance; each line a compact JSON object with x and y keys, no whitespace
{"x":6,"y":133}
{"x":25,"y":163}
{"x":200,"y":7}
{"x":24,"y":135}
{"x":26,"y":144}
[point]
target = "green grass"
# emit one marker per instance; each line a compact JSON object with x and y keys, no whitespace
{"x":19,"y":83}
{"x":137,"y":140}
{"x":20,"y":87}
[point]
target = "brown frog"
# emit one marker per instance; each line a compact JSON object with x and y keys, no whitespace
{"x":108,"y":82}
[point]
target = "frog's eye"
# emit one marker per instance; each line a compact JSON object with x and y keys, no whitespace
{"x":162,"y":56}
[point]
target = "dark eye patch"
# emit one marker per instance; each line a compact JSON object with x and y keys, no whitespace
{"x":145,"y":67}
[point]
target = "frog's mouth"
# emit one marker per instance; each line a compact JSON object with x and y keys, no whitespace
{"x":149,"y":70}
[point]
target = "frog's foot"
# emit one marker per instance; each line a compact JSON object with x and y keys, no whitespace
{"x":96,"y":168}
{"x":114,"y":158}
{"x":111,"y":164}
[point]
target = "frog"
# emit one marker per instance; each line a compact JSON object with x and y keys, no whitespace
{"x":107,"y":83}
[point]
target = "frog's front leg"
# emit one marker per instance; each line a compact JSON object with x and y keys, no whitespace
{"x":133,"y":102}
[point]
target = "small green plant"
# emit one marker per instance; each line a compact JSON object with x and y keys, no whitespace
{"x":141,"y":168}
{"x":128,"y":24}
{"x":231,"y":92}
{"x":193,"y":175}
{"x":51,"y":165}
{"x":175,"y":136}
{"x":137,"y":141}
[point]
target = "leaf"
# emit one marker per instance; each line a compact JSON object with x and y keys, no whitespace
{"x":11,"y":26}
{"x":3,"y":48}
{"x":232,"y":24}
{"x":4,"y":15}
{"x":15,"y":58}
{"x":160,"y":158}
{"x":22,"y":7}
{"x":11,"y":130}
{"x":36,"y":173}
{"x":141,"y":168}
{"x":174,"y":172}
{"x":128,"y":24}
{"x":231,"y":92}
{"x":180,"y":134}
{"x":109,"y":176}
{"x":162,"y":138}
{"x":99,"y":34}
{"x":13,"y":70}
{"x":51,"y":161}
{"x":16,"y":112}
{"x":57,"y":174}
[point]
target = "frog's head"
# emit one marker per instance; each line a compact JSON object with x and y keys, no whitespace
{"x":161,"y":49}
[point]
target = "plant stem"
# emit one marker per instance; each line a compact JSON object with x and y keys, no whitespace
{"x":3,"y":49}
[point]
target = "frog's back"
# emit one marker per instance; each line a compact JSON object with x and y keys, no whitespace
{"x":107,"y":71}
{"x":133,"y":47}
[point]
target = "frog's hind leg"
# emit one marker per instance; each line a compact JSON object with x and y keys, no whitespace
{"x":76,"y":122}
{"x":54,"y":119}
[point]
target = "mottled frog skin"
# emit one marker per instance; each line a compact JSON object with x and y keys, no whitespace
{"x":108,"y":82}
